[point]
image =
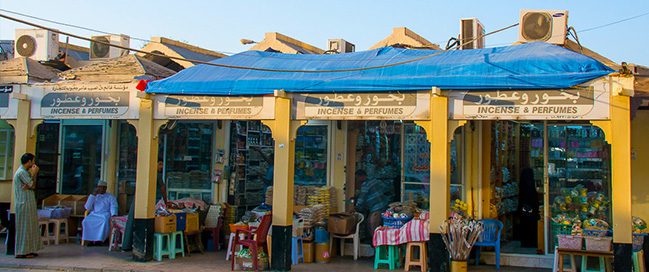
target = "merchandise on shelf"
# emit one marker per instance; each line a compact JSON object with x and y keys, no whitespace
{"x":639,"y":225}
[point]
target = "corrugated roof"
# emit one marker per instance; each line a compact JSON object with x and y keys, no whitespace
{"x":25,"y":70}
{"x":122,"y":68}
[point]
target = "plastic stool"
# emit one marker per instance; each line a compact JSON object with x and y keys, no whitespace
{"x":638,"y":261}
{"x":44,"y":231}
{"x":230,"y":249}
{"x":161,"y":244}
{"x":421,"y":262}
{"x":573,"y":263}
{"x":388,"y":255}
{"x":584,"y":265}
{"x":175,"y":246}
{"x":60,"y":230}
{"x":297,"y":253}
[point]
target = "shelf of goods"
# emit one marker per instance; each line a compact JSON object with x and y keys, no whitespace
{"x":249,"y":140}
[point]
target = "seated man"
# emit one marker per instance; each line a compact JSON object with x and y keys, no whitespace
{"x":373,"y":199}
{"x":101,"y":206}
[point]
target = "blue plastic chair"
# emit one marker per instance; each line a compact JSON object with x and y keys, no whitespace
{"x":490,"y":237}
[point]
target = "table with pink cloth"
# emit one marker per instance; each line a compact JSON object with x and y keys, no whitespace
{"x":416,"y":230}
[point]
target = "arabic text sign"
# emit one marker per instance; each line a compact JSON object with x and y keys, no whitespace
{"x":363,"y":106}
{"x":215,"y":107}
{"x":85,"y":104}
{"x":5,"y":92}
{"x":529,"y":104}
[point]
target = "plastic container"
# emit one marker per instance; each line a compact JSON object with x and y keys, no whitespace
{"x":638,"y":241}
{"x":598,"y":243}
{"x":322,"y":254}
{"x":191,"y":222}
{"x":321,"y":235}
{"x":309,"y":252}
{"x":570,"y":242}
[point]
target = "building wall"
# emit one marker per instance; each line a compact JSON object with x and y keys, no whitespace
{"x":639,"y":163}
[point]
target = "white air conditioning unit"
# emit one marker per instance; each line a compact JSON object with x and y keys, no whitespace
{"x":37,"y":44}
{"x":99,"y":48}
{"x":341,"y":46}
{"x":543,"y":25}
{"x":471,"y":34}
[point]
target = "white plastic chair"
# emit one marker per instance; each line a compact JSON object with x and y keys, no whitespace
{"x":355,"y":236}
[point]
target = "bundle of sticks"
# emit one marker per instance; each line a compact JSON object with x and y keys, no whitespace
{"x":459,"y":235}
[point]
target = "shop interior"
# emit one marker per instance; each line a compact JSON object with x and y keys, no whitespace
{"x":569,"y":161}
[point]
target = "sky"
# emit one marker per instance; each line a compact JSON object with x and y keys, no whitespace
{"x":219,"y":25}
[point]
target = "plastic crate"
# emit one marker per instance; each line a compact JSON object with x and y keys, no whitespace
{"x":638,"y":241}
{"x":570,"y":242}
{"x":598,"y":243}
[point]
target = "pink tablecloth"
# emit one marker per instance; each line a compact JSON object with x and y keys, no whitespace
{"x":414,"y":231}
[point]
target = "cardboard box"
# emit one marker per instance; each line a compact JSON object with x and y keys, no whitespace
{"x":309,"y":252}
{"x":191,"y":222}
{"x":165,"y":224}
{"x":341,"y":223}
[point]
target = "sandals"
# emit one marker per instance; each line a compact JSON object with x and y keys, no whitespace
{"x":27,"y":256}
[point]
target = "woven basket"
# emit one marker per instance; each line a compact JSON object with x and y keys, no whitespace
{"x":570,"y":242}
{"x":598,"y":243}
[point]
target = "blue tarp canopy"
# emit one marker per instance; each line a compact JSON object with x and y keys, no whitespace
{"x":526,"y":66}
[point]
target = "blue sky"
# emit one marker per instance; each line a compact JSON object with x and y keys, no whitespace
{"x":218,"y":25}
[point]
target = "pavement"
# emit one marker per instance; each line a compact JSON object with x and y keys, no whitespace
{"x":73,"y":257}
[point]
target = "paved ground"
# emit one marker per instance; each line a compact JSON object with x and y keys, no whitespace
{"x":73,"y":257}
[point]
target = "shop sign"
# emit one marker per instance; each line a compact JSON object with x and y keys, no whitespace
{"x":5,"y":93}
{"x":84,"y":101}
{"x":214,"y":107}
{"x":566,"y":104}
{"x":363,"y":106}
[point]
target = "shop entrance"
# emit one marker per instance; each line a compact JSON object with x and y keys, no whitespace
{"x":82,"y":145}
{"x":544,"y":177}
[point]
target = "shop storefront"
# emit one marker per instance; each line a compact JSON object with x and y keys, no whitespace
{"x":391,"y":132}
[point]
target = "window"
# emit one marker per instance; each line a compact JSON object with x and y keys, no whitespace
{"x":6,"y":153}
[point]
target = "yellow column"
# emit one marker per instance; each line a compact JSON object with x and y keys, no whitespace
{"x":284,"y":131}
{"x":220,"y":142}
{"x":485,"y":181}
{"x":24,"y":133}
{"x":111,"y":162}
{"x":339,"y":162}
{"x":439,"y":131}
{"x":147,"y":157}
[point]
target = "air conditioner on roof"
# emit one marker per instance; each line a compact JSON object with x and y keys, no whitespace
{"x":543,"y":25}
{"x":341,"y":46}
{"x":471,"y":34}
{"x":37,"y":44}
{"x":99,"y":48}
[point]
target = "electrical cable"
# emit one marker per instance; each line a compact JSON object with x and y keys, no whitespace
{"x":91,"y":29}
{"x":245,"y":67}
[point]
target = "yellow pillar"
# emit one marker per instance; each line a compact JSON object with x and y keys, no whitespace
{"x":24,"y":133}
{"x":145,"y":184}
{"x":618,"y":134}
{"x":437,"y":132}
{"x":485,"y":178}
{"x":111,"y":162}
{"x":284,"y":131}
{"x":339,"y":162}
{"x":220,"y":142}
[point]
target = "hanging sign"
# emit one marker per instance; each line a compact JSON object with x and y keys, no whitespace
{"x":585,"y":103}
{"x":214,"y":107}
{"x":84,"y":100}
{"x":363,"y":106}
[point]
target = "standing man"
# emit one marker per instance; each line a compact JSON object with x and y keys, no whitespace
{"x":127,"y":242}
{"x":28,"y":240}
